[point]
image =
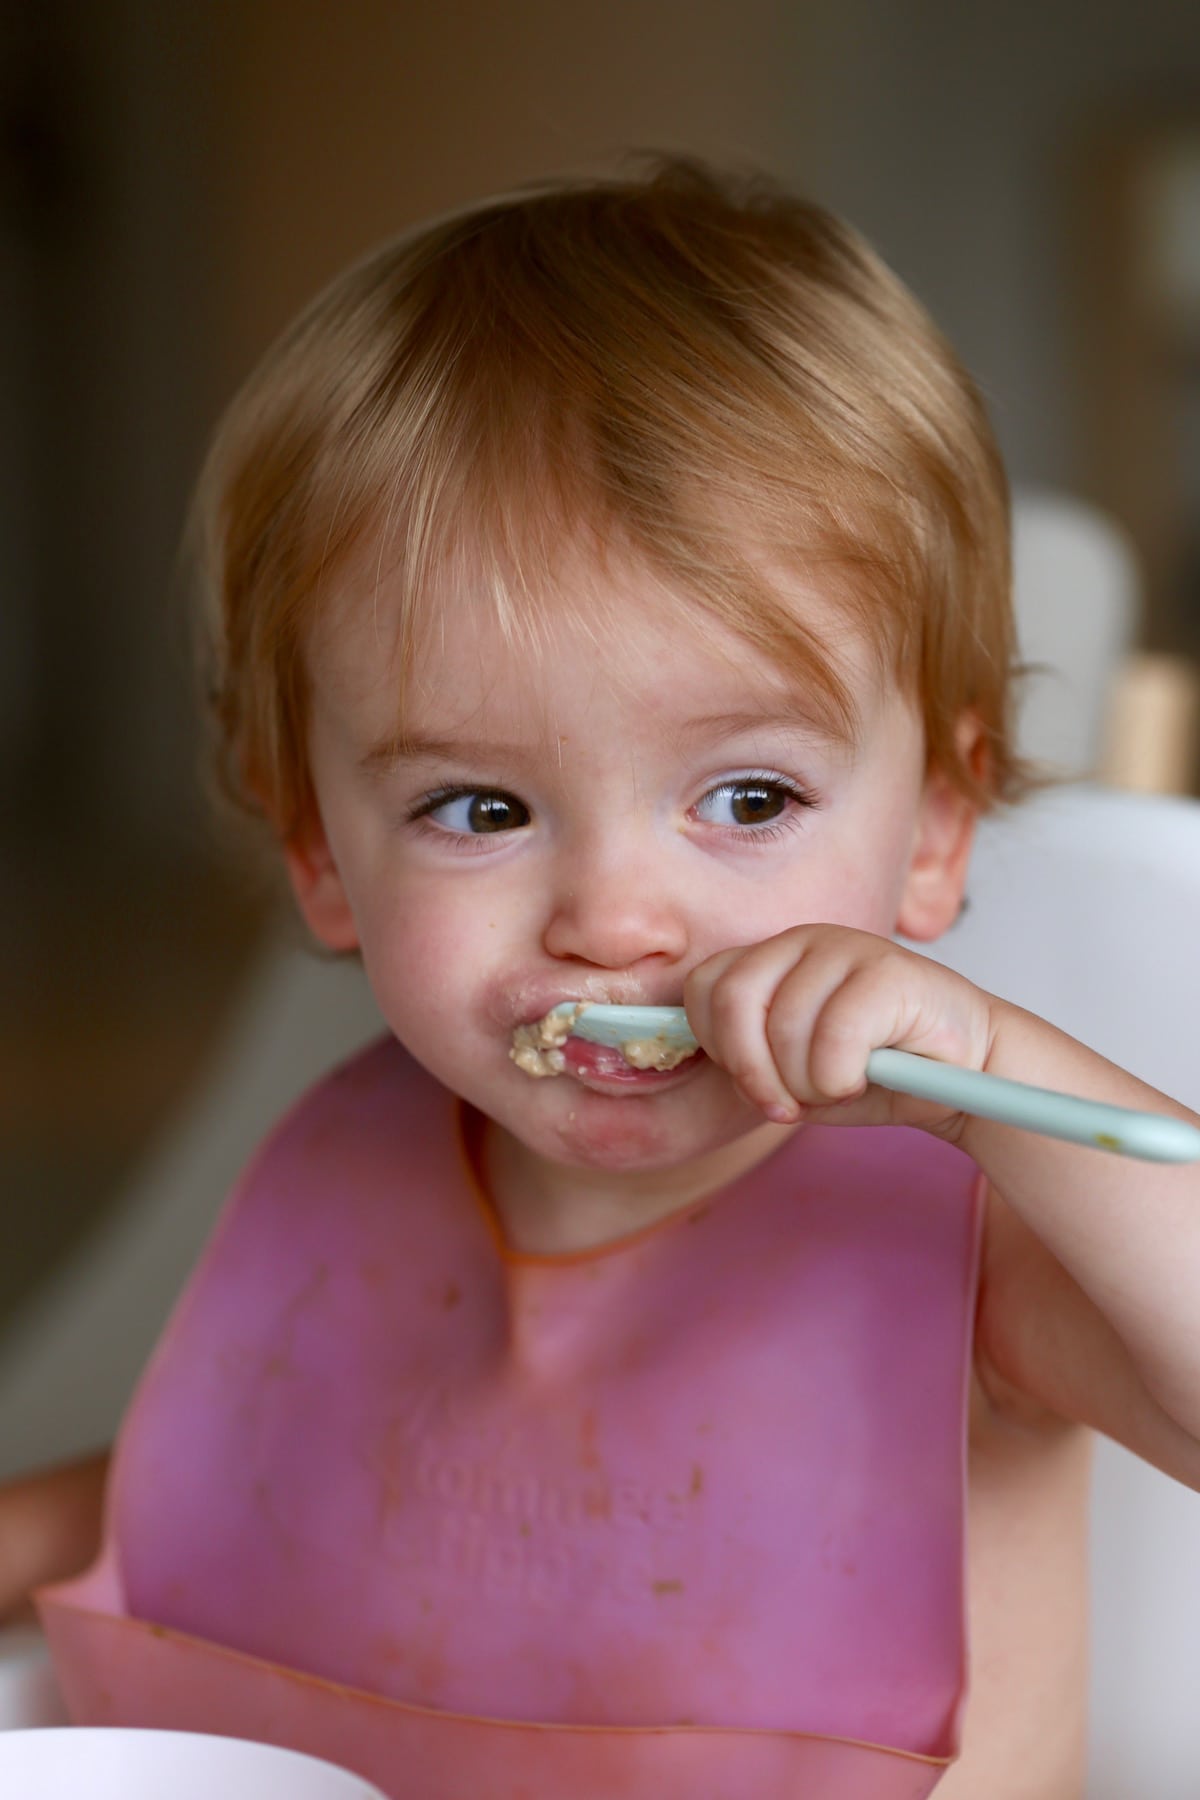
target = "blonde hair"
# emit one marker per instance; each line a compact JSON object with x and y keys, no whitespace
{"x":722,"y":378}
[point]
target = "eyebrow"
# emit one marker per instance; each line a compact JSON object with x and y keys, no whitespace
{"x":391,"y":753}
{"x":420,"y":747}
{"x":733,"y":724}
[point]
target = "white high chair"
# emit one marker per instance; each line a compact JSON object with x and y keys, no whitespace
{"x":1075,"y":586}
{"x":1084,"y":906}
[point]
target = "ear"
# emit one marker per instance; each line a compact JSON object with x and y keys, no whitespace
{"x":317,"y":885}
{"x":942,"y":841}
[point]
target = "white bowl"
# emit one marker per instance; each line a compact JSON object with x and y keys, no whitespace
{"x":94,"y":1763}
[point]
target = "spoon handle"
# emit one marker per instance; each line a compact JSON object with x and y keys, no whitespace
{"x":1152,"y":1137}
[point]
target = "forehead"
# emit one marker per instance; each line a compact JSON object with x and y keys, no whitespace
{"x":610,"y":630}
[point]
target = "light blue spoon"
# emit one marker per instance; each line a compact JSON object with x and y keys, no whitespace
{"x":1150,"y":1136}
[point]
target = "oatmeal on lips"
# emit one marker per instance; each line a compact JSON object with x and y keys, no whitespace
{"x":537,"y":1048}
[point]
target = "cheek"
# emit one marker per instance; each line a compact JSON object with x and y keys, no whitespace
{"x":428,"y":950}
{"x":864,"y":895}
{"x":854,"y":900}
{"x":856,"y":881}
{"x":864,"y":880}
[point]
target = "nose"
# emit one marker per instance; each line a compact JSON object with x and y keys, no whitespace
{"x":615,"y":911}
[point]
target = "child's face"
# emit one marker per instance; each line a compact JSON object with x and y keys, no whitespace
{"x":591,"y":822}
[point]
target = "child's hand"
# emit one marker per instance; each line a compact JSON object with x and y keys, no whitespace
{"x":794,"y":1019}
{"x":49,"y":1529}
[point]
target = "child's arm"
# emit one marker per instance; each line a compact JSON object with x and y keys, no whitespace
{"x":1088,"y":1302}
{"x":50,"y":1525}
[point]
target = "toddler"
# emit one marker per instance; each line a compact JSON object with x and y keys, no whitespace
{"x":608,"y":600}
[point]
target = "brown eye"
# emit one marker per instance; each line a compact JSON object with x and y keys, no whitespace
{"x":755,"y":807}
{"x":495,"y":812}
{"x":472,"y":812}
{"x":756,"y":803}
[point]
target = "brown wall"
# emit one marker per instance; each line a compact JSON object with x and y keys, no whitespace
{"x":343,"y":124}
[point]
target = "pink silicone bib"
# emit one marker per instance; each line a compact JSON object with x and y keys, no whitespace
{"x":679,"y":1517}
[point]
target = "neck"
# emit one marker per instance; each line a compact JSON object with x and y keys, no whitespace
{"x":548,"y":1208}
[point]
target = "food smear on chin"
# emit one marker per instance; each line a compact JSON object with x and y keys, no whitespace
{"x":537,"y":1047}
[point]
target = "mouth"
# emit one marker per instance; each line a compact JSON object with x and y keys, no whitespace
{"x":542,"y":1045}
{"x":604,"y":1069}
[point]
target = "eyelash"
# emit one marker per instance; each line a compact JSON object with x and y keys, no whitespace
{"x":462,"y":842}
{"x":804,"y":800}
{"x":468,"y":843}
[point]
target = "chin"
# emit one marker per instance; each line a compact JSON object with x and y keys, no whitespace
{"x":634,"y":1134}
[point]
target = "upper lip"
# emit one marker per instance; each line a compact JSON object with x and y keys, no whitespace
{"x":533,"y":1000}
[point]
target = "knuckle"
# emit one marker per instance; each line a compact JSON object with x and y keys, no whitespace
{"x":837,"y":1058}
{"x":789,"y":1039}
{"x":726,"y":1000}
{"x":747,"y":1074}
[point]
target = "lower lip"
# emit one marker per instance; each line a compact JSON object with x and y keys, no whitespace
{"x":605,"y":1070}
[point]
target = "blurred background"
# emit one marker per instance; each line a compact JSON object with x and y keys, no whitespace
{"x":178,"y":176}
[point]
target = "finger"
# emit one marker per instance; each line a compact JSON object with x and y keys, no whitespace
{"x":866,"y":1009}
{"x":698,"y":987}
{"x":728,"y":1000}
{"x":804,"y":1004}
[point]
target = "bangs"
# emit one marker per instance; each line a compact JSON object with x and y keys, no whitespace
{"x":582,"y":388}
